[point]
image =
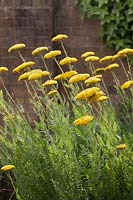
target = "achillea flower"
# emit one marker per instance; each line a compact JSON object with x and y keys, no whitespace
{"x":58,"y":77}
{"x":39,"y":50}
{"x":45,"y":73}
{"x":88,"y":53}
{"x":106,"y":59}
{"x":83,"y":120}
{"x":52,"y":92}
{"x":68,"y":74}
{"x":36,"y":70}
{"x":99,"y":70}
{"x":86,"y":93}
{"x":52,"y":54}
{"x":24,"y":76}
{"x":112,"y":66}
{"x":96,"y":96}
{"x":3,"y":69}
{"x":92,"y":58}
{"x":98,"y":76}
{"x":65,"y":75}
{"x":116,"y":57}
{"x":7,"y":167}
{"x":68,"y":60}
{"x":59,"y":37}
{"x":99,"y":94}
{"x":23,"y":66}
{"x":101,"y":98}
{"x":79,"y":77}
{"x":126,"y":51}
{"x":16,"y":47}
{"x":121,"y":146}
{"x":127,"y":84}
{"x":92,"y":80}
{"x":49,"y":82}
{"x":34,"y":76}
{"x":37,"y":73}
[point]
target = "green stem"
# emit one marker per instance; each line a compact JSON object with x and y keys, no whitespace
{"x":44,"y":62}
{"x":62,"y":45}
{"x":14,"y":188}
{"x":129,"y":68}
{"x":120,"y":93}
{"x":124,"y":70}
{"x":107,"y":92}
{"x":46,"y":67}
{"x":91,"y":68}
{"x":58,"y":65}
{"x":27,"y":86}
{"x":19,"y":53}
{"x":6,"y":89}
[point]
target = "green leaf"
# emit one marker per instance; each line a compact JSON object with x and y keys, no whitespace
{"x":115,"y":17}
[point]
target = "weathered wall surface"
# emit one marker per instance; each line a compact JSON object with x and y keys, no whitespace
{"x":34,"y":22}
{"x":28,"y":22}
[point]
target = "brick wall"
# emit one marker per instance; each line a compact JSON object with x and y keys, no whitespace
{"x":84,"y":36}
{"x":34,"y":22}
{"x":28,"y":22}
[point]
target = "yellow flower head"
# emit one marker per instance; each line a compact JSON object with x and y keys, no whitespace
{"x":68,"y":60}
{"x":68,"y":74}
{"x":87,"y":93}
{"x":52,"y":54}
{"x":58,"y":77}
{"x":37,"y":73}
{"x":99,"y":70}
{"x":116,"y":57}
{"x":99,"y":94}
{"x":101,"y":98}
{"x":88,"y":53}
{"x":79,"y":77}
{"x":3,"y":69}
{"x":83,"y":120}
{"x":65,"y":75}
{"x":125,"y":51}
{"x":127,"y":84}
{"x":98,"y":76}
{"x":59,"y":37}
{"x":49,"y":82}
{"x":112,"y":66}
{"x":52,"y":92}
{"x":34,"y":76}
{"x":24,"y":76}
{"x":92,"y":58}
{"x":16,"y":47}
{"x":92,"y":80}
{"x":45,"y":73}
{"x":23,"y":66}
{"x":7,"y":167}
{"x":121,"y":146}
{"x":39,"y":50}
{"x":106,"y":59}
{"x":95,"y":96}
{"x":36,"y":70}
